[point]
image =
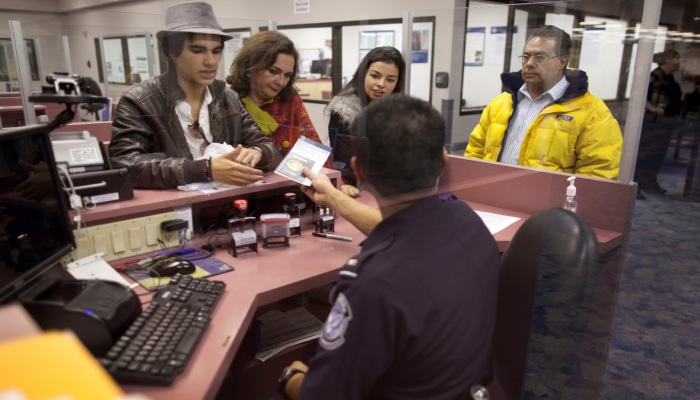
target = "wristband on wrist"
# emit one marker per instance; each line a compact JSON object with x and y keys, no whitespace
{"x":207,"y":163}
{"x":284,"y":379}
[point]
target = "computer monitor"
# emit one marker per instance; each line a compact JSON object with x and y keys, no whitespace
{"x":35,"y":230}
{"x":321,"y":67}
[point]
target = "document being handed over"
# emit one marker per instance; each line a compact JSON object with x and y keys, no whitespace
{"x":305,"y":153}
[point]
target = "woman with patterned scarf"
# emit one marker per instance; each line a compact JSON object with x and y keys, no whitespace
{"x":263,"y":73}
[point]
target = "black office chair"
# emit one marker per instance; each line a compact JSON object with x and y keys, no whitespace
{"x":91,"y":87}
{"x":544,"y":305}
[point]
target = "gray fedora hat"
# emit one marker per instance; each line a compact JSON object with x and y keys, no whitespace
{"x":193,"y":17}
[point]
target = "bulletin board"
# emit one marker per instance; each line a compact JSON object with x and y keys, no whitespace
{"x":372,"y":39}
{"x":474,"y":46}
{"x":602,"y":46}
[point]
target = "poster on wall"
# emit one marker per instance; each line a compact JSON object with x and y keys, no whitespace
{"x":474,"y":46}
{"x":497,"y":44}
{"x":421,"y":43}
{"x":592,"y":44}
{"x":372,"y":39}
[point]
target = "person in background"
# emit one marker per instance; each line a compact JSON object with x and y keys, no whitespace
{"x":546,"y":117}
{"x":380,"y":73}
{"x":163,"y":125}
{"x":663,"y":106}
{"x":414,"y":311}
{"x":263,"y":73}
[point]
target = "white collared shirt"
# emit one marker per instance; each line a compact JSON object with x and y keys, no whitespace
{"x":184,"y":114}
{"x":525,"y":113}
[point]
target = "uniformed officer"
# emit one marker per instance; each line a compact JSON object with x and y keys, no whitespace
{"x":414,"y":311}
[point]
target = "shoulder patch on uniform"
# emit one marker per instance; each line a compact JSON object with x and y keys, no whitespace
{"x":333,"y":335}
{"x":565,"y":117}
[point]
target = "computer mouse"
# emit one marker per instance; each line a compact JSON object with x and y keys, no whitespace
{"x":171,"y":267}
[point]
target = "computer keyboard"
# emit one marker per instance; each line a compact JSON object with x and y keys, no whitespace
{"x":157,"y":346}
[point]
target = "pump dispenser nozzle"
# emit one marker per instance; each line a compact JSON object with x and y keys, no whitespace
{"x":571,"y":189}
{"x":570,"y":201}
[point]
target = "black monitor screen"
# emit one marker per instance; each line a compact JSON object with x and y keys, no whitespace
{"x":319,"y":67}
{"x":35,"y":231}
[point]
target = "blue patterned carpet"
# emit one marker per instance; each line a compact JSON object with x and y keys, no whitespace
{"x":655,"y":347}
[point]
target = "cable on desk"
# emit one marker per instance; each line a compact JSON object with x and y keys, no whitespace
{"x":214,"y":238}
{"x":76,"y":203}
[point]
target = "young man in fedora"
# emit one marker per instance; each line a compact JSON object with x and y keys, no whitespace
{"x":163,"y":125}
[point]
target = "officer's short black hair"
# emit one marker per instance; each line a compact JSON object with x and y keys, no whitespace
{"x":400,"y":145}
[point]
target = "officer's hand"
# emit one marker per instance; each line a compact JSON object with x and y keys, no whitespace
{"x":298,"y":365}
{"x":226,"y":169}
{"x":321,"y":189}
{"x":293,"y":388}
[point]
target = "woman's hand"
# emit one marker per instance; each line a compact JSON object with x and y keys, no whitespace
{"x":350,"y":190}
{"x":248,"y":156}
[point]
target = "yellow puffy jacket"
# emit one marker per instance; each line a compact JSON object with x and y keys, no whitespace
{"x":576,"y":134}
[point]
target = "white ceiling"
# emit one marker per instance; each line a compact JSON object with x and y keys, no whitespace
{"x":678,"y":13}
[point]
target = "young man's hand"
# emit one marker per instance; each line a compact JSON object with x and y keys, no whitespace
{"x":231,"y":168}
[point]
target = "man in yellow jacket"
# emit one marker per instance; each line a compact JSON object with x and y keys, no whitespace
{"x":547,"y":118}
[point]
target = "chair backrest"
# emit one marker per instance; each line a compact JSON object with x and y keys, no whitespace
{"x":546,"y":278}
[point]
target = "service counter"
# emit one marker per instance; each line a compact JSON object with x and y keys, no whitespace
{"x":310,"y":262}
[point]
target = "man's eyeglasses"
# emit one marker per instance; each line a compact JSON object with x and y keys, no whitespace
{"x":537,"y":59}
{"x":195,"y":130}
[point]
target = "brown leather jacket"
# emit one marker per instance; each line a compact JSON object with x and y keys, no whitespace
{"x":148,"y":139}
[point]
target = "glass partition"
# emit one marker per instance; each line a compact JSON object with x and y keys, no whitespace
{"x":316,"y":55}
{"x":614,"y":46}
{"x":487,"y":37}
{"x":353,"y":40}
{"x":8,"y":66}
{"x":44,"y":49}
{"x":358,"y":40}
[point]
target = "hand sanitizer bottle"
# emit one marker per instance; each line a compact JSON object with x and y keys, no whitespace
{"x":570,"y":201}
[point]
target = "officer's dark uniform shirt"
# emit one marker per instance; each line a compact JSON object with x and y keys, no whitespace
{"x":414,"y":311}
